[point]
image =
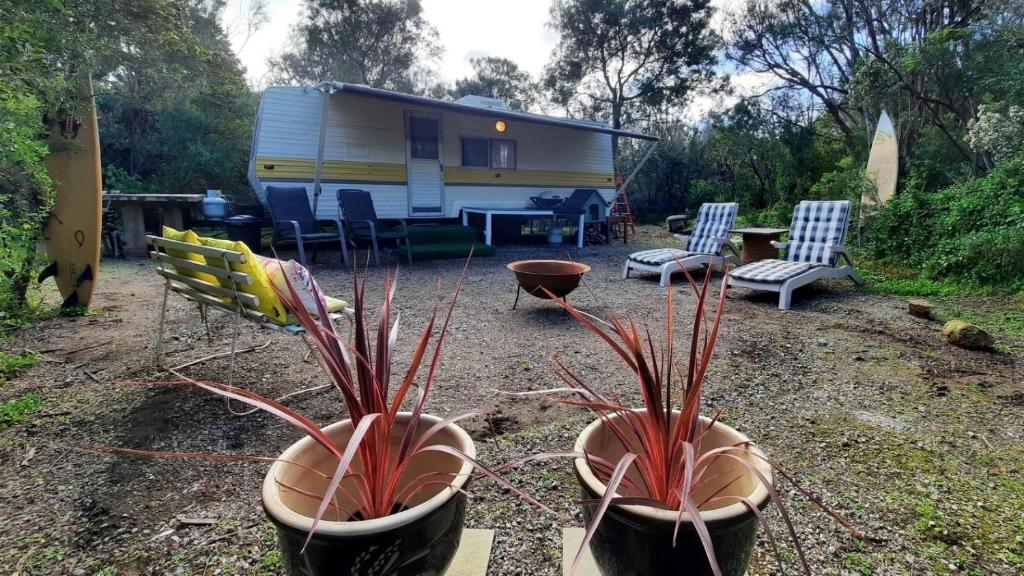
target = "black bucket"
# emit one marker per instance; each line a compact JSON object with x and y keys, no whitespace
{"x":245,"y":228}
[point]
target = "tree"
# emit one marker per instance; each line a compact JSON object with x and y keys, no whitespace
{"x":621,"y":59}
{"x":380,"y":43}
{"x":43,"y":48}
{"x":809,"y":47}
{"x":166,"y":81}
{"x":500,"y":78}
{"x":177,"y":124}
{"x":918,"y":59}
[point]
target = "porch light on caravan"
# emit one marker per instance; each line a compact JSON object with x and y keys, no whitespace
{"x":500,"y":126}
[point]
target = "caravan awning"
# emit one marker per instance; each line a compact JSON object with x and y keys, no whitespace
{"x":587,"y":125}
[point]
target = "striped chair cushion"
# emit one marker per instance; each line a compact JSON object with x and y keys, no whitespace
{"x":714,"y":220}
{"x":815,"y":225}
{"x":659,"y":256}
{"x":773,"y":271}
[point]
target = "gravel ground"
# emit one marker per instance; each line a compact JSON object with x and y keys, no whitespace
{"x":917,"y":442}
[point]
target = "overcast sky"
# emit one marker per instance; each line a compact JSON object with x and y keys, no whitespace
{"x":513,"y":29}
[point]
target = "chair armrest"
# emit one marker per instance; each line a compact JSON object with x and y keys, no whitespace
{"x":684,"y":238}
{"x":340,"y":225}
{"x":405,"y":226}
{"x":292,"y":225}
{"x":728,"y":244}
{"x":780,"y":245}
{"x":370,"y":223}
{"x":839,"y":250}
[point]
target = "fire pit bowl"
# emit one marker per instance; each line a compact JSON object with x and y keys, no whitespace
{"x":560,"y":277}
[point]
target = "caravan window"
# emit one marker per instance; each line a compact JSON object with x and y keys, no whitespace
{"x":423,"y":138}
{"x":475,"y":152}
{"x":503,"y":154}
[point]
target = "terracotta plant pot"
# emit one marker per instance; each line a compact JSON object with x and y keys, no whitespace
{"x":420,"y":539}
{"x":637,"y":540}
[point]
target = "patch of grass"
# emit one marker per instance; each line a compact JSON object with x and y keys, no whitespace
{"x":271,"y":564}
{"x":859,"y":563}
{"x":13,"y":364}
{"x":14,"y":411}
{"x":960,"y":502}
{"x":45,"y":558}
{"x":911,"y":287}
{"x":79,"y":310}
{"x":1011,"y":558}
{"x":887,"y":279}
{"x":787,"y":556}
{"x":950,"y":297}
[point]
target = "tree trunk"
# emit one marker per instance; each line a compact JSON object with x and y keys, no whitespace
{"x":616,"y":124}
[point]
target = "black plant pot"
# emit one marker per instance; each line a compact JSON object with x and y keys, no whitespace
{"x":637,"y":540}
{"x":418,"y":540}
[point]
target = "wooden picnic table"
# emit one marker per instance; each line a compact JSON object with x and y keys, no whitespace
{"x":757,"y":243}
{"x":132,"y":207}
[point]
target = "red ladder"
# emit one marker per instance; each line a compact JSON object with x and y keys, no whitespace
{"x":620,"y":206}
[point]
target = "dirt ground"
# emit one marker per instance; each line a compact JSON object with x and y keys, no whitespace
{"x":918,"y":443}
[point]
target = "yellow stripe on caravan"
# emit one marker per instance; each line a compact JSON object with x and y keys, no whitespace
{"x":340,"y":170}
{"x":456,"y":175}
{"x":305,"y":169}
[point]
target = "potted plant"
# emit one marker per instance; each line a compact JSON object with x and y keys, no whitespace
{"x":664,"y":488}
{"x":382,"y":491}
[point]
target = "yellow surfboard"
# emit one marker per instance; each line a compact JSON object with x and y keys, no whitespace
{"x":883,"y":164}
{"x":73,"y":231}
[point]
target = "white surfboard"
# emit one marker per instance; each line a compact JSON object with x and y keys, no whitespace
{"x":883,"y":164}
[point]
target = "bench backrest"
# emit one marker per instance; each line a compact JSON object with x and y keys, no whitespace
{"x":226,"y":294}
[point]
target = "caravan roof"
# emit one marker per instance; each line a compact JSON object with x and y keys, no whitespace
{"x":478,"y":110}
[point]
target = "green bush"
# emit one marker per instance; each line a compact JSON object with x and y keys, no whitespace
{"x":25,"y":195}
{"x":972,"y":231}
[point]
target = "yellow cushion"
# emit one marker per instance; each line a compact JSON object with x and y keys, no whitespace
{"x":303,"y":286}
{"x":191,"y":238}
{"x":335,"y":304}
{"x":269,"y":304}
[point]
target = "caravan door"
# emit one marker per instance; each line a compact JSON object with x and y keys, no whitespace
{"x":424,"y":165}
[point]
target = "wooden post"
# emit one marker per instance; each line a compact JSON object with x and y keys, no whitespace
{"x":172,"y":216}
{"x":134,"y":229}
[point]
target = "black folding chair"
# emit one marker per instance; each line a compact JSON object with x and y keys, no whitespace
{"x":294,"y":222}
{"x":362,"y":224}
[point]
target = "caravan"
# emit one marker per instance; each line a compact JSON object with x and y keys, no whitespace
{"x":422,"y":158}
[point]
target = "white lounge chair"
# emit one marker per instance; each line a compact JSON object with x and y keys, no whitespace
{"x":708,"y":244}
{"x":815,"y":245}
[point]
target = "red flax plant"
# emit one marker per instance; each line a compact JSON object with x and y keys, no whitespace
{"x":361,"y":372}
{"x":663,"y":438}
